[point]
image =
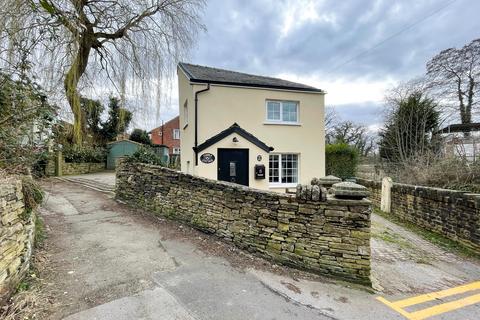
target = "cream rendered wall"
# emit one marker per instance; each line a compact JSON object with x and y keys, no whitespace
{"x":187,"y":133}
{"x":222,"y":106}
{"x":209,"y":170}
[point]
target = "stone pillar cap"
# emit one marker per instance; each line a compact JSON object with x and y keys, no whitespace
{"x":326,"y":181}
{"x":349,"y":190}
{"x":329,"y":179}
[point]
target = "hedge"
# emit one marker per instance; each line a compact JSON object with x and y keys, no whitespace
{"x":341,"y":160}
{"x":82,"y":154}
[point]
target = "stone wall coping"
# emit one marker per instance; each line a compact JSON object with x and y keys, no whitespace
{"x":369,"y":183}
{"x":89,"y":163}
{"x":432,"y":193}
{"x":330,"y":198}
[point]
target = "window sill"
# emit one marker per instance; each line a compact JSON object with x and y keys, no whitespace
{"x":281,"y":123}
{"x":282,"y":185}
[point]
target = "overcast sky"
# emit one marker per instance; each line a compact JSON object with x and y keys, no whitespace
{"x":312,"y":41}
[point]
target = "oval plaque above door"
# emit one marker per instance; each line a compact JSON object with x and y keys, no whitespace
{"x":207,"y":158}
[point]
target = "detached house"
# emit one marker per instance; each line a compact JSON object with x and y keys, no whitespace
{"x":261,"y":132}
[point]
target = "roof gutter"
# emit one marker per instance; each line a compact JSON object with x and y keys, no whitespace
{"x":257,"y":86}
{"x":196,"y":121}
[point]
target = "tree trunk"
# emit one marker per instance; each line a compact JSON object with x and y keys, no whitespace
{"x":77,"y":69}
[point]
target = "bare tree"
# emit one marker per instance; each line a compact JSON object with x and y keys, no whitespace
{"x":331,"y":120}
{"x":454,"y":75}
{"x":127,"y":39}
{"x":400,"y":92}
{"x":356,"y":135}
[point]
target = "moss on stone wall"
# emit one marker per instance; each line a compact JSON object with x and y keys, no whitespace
{"x":331,"y":238}
{"x":16,"y":235}
{"x":450,"y":213}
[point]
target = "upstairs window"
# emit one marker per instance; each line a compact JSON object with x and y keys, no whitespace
{"x":176,"y":134}
{"x":282,"y":111}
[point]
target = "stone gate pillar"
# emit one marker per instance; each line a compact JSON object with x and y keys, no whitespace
{"x":58,"y":163}
{"x":386,"y":202}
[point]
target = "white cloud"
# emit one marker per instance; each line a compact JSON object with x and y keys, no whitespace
{"x":297,"y":13}
{"x":346,"y":91}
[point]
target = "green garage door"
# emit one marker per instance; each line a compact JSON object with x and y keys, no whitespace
{"x":120,"y":149}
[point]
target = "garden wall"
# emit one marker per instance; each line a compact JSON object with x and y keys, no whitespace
{"x":453,"y":214}
{"x":16,"y":236}
{"x":375,"y":189}
{"x":331,"y":237}
{"x":73,"y":168}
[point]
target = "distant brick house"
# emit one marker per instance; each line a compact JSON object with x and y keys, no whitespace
{"x":168,"y":135}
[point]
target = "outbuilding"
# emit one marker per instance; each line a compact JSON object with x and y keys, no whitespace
{"x":120,"y":149}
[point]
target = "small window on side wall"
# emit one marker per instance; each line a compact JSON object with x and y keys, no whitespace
{"x":176,"y":134}
{"x":185,"y":113}
{"x":282,"y":111}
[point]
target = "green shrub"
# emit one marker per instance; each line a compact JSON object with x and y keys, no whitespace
{"x":40,"y":164}
{"x":341,"y":160}
{"x":145,"y":155}
{"x":82,"y":154}
{"x":40,"y":233}
{"x":32,"y":193}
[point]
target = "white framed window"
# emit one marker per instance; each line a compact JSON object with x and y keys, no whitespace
{"x":185,"y":113}
{"x":282,"y":112}
{"x":283,"y":169}
{"x":176,"y":150}
{"x":176,"y":134}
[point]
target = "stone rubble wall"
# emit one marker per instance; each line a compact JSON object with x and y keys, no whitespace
{"x":375,"y":189}
{"x":329,"y":237}
{"x":72,"y":168}
{"x":453,"y":214}
{"x":16,"y":236}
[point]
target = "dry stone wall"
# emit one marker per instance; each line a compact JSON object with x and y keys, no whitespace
{"x":16,"y":236}
{"x":453,"y":214}
{"x":329,"y":237}
{"x":374,"y":188}
{"x":71,"y":168}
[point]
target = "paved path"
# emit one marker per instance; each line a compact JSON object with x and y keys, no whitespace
{"x":404,"y":263}
{"x":111,"y":262}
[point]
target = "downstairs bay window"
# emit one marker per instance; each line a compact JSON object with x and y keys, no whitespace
{"x":283,"y":170}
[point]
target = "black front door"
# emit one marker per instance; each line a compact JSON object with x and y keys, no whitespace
{"x":233,"y":165}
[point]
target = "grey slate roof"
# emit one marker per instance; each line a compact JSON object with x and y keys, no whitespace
{"x":461,"y":127}
{"x":203,"y":74}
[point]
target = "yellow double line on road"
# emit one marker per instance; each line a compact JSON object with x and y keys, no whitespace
{"x":400,"y":305}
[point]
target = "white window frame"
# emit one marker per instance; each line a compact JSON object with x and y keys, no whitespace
{"x":176,"y":150}
{"x":281,"y":120}
{"x":280,"y":184}
{"x":176,"y":134}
